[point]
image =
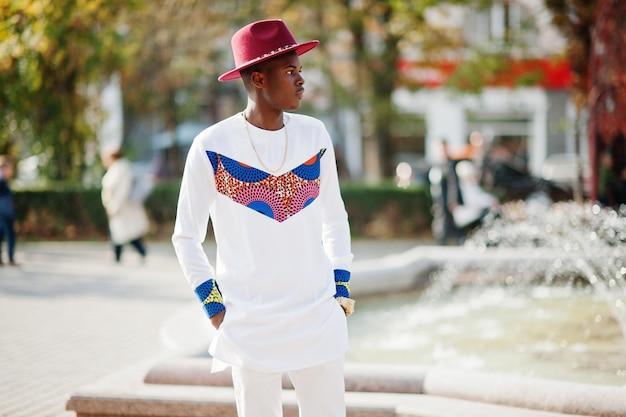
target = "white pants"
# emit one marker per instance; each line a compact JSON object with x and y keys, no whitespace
{"x":319,"y":391}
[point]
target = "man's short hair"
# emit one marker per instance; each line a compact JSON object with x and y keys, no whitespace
{"x":246,"y":73}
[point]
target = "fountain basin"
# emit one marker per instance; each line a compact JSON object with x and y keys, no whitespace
{"x":554,"y":332}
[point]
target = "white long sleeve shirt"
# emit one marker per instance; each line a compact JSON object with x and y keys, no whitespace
{"x":283,"y":239}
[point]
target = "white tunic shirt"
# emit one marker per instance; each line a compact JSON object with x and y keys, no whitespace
{"x":279,"y":239}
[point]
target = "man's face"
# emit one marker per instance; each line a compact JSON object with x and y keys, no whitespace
{"x":283,"y":82}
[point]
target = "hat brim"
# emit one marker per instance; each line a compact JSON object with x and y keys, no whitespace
{"x":300,"y":49}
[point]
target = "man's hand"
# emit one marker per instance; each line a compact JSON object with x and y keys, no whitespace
{"x":347,"y":304}
{"x":217,"y":319}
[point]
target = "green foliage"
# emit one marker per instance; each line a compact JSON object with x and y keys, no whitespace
{"x":177,"y":50}
{"x":50,"y":52}
{"x":169,"y":54}
{"x":161,"y":206}
{"x":366,"y":74}
{"x":477,"y":71}
{"x":530,"y":78}
{"x":72,"y":212}
{"x":60,"y":213}
{"x":385,"y":210}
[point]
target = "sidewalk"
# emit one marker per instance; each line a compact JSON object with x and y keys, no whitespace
{"x":69,"y":315}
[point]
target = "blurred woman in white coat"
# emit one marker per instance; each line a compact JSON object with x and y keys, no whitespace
{"x":128,"y":222}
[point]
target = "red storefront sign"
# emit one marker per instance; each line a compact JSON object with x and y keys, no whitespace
{"x":552,"y":74}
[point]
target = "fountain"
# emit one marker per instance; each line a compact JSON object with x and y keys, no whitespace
{"x":561,"y":317}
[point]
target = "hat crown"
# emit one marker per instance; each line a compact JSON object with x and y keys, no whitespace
{"x":259,"y":39}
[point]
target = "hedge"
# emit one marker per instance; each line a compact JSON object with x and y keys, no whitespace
{"x":74,"y":213}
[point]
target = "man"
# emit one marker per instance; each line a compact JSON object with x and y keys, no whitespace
{"x":279,"y":294}
{"x":7,"y":210}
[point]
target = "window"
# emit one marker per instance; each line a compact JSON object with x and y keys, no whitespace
{"x":501,"y":23}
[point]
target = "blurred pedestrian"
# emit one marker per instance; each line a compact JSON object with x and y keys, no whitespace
{"x":476,"y":151}
{"x":128,"y":222}
{"x":7,"y":210}
{"x":612,"y":174}
{"x":477,"y":204}
{"x":268,"y":180}
{"x":446,"y":194}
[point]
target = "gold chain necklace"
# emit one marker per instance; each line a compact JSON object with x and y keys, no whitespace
{"x":271,"y":171}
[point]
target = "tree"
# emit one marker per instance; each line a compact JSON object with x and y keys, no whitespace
{"x":607,"y":93}
{"x":596,"y":35}
{"x":176,"y":49}
{"x":50,"y":52}
{"x":380,"y":32}
{"x":173,"y":44}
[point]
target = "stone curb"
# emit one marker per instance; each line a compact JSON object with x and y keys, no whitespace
{"x":526,"y":392}
{"x":491,"y":388}
{"x":358,"y":377}
{"x":411,"y":268}
{"x":152,"y":400}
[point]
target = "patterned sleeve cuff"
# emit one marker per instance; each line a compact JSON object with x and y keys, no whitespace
{"x":209,"y":294}
{"x":342,"y":286}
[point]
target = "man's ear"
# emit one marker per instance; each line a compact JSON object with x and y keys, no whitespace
{"x":257,"y":79}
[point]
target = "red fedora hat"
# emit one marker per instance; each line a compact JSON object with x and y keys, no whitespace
{"x":260,"y":41}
